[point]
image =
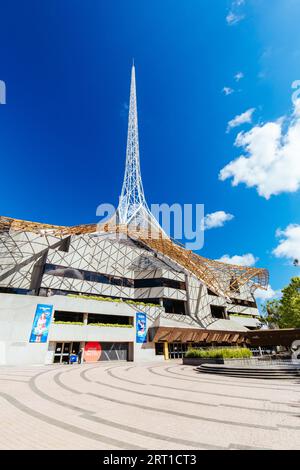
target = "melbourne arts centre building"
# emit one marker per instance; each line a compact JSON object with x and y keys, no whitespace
{"x":117,"y":290}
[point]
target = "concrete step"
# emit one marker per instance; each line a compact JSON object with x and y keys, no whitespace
{"x":279,"y":373}
{"x":252,"y":371}
{"x":251,"y":376}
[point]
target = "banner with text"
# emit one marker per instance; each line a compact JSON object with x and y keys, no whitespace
{"x":141,"y":327}
{"x":41,"y":324}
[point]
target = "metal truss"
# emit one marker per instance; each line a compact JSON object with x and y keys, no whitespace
{"x":216,"y":275}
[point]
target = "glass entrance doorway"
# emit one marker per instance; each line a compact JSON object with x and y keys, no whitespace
{"x":177,"y":350}
{"x":63,"y":351}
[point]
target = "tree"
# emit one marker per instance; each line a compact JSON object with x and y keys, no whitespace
{"x":272,"y":315}
{"x":285,"y":312}
{"x":290,"y":304}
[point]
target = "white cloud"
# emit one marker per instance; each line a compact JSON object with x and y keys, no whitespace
{"x":238,"y":76}
{"x":272,"y":160}
{"x":243,"y":118}
{"x":267,"y":294}
{"x":235,"y":15}
{"x":234,"y":18}
{"x":227,"y":90}
{"x":242,"y":260}
{"x":216,"y":219}
{"x":289,"y":243}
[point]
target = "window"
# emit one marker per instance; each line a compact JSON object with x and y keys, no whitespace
{"x":174,"y":306}
{"x":91,"y":276}
{"x":77,"y":317}
{"x":63,"y":271}
{"x":14,"y":290}
{"x":65,"y":244}
{"x":160,"y":282}
{"x":68,"y":316}
{"x":244,"y":303}
{"x":177,"y":350}
{"x":210,"y":292}
{"x":109,"y":319}
{"x":159,"y":349}
{"x":218,"y":312}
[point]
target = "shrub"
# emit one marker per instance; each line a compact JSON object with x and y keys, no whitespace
{"x":116,"y":325}
{"x":109,"y":299}
{"x":222,"y":353}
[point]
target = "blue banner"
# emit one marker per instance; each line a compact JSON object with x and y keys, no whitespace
{"x":41,"y":323}
{"x":141,"y":328}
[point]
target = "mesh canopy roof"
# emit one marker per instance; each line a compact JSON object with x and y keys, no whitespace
{"x":221,"y":278}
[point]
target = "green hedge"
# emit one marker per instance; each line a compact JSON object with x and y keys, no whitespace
{"x":109,"y":299}
{"x":223,"y":353}
{"x":116,"y":325}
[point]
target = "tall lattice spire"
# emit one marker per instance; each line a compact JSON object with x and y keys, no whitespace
{"x":132,"y":195}
{"x":133,"y":208}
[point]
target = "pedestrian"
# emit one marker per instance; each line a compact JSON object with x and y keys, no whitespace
{"x":80,"y":356}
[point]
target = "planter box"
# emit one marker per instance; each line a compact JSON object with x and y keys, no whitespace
{"x":197,"y":361}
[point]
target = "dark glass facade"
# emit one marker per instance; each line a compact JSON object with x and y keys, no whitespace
{"x":73,"y":273}
{"x":174,"y":306}
{"x":218,"y":312}
{"x":244,"y":303}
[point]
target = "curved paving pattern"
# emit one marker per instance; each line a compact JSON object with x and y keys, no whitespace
{"x":144,"y":406}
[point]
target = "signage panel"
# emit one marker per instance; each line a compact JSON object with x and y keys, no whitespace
{"x":41,"y":323}
{"x":141,"y":327}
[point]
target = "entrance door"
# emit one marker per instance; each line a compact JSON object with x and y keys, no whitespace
{"x":63,"y":350}
{"x":177,"y":350}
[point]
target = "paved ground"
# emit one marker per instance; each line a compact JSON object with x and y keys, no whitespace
{"x":149,"y":406}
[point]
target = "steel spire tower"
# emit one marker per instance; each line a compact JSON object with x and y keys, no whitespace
{"x":133,"y":208}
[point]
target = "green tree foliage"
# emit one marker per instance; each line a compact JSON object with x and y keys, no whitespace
{"x":285,"y":312}
{"x":272,"y":314}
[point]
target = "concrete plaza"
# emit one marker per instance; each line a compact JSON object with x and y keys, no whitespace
{"x":144,"y":406}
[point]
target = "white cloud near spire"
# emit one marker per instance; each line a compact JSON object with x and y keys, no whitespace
{"x":268,"y":294}
{"x":216,"y":219}
{"x":227,"y":90}
{"x":247,"y":259}
{"x":235,"y":14}
{"x":238,"y":76}
{"x":289,"y":242}
{"x":271,"y":159}
{"x":243,"y":118}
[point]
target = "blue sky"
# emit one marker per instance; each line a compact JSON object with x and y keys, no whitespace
{"x":66,"y":65}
